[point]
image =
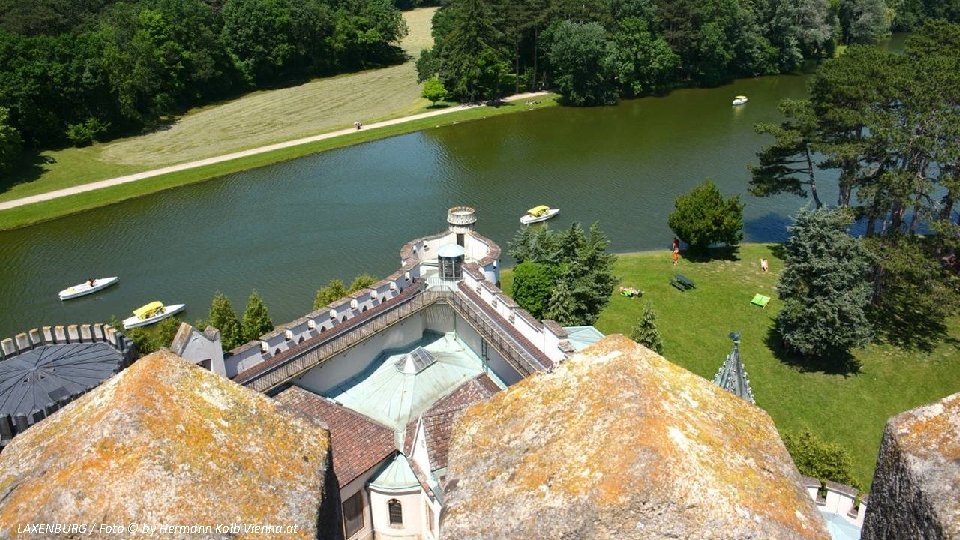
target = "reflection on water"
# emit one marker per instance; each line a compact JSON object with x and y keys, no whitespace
{"x":289,"y":228}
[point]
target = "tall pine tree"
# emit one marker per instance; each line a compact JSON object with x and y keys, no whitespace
{"x":224,"y":318}
{"x":824,"y":286}
{"x":256,"y":318}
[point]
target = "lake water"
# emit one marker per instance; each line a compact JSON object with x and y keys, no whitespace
{"x":289,"y":228}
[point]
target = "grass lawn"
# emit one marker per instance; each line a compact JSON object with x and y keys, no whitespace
{"x":254,"y":120}
{"x":848,"y":409}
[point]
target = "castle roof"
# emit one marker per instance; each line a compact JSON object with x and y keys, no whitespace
{"x":396,"y":477}
{"x":394,"y":395}
{"x":438,"y":420}
{"x":359,"y":444}
{"x":167,"y":442}
{"x":617,"y":442}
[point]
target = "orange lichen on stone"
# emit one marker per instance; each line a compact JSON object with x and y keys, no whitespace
{"x":932,"y":429}
{"x":165,"y":442}
{"x":619,"y":443}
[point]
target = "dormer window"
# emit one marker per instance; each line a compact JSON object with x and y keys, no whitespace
{"x":396,"y":513}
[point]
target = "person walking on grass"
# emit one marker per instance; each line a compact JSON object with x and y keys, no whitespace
{"x":676,"y":255}
{"x":764,"y":265}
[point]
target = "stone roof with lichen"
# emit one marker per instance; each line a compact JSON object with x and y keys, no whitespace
{"x":915,"y":486}
{"x":167,"y":442}
{"x":619,"y":443}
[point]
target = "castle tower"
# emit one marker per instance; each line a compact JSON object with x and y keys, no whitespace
{"x":461,"y":220}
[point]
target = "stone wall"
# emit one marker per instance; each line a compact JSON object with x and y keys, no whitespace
{"x":916,"y":487}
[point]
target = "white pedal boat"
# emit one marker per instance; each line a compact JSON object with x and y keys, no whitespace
{"x":87,"y":287}
{"x":538,"y":214}
{"x":151,"y":313}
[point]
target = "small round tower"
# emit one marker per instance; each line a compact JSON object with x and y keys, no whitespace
{"x":461,"y":220}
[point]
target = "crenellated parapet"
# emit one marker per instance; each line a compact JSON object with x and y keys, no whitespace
{"x":74,"y":333}
{"x":419,"y":264}
{"x":44,"y":369}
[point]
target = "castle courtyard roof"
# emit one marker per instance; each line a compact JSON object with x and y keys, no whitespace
{"x":401,"y":386}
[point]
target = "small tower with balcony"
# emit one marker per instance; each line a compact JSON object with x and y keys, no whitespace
{"x":461,"y":220}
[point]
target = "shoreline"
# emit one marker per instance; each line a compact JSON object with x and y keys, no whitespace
{"x":33,"y":209}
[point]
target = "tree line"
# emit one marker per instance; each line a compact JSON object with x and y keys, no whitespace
{"x":883,"y":129}
{"x":594,"y":51}
{"x":75,"y":71}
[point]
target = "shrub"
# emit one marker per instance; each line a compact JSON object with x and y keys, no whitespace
{"x":819,"y":459}
{"x":703,"y":217}
{"x":434,"y":90}
{"x":84,"y":133}
{"x":646,"y":332}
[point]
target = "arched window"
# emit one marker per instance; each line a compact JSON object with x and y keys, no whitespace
{"x":396,"y":512}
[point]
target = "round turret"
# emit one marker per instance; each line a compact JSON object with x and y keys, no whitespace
{"x":461,"y":219}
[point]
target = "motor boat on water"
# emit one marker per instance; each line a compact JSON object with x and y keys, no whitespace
{"x":90,"y":286}
{"x":538,"y":214}
{"x":740,"y":100}
{"x":151,"y":313}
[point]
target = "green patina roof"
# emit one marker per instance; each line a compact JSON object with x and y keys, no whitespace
{"x":398,"y":476}
{"x":401,"y":385}
{"x":582,"y":336}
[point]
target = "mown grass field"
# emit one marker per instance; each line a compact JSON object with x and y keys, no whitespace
{"x":847,"y":409}
{"x":254,"y":120}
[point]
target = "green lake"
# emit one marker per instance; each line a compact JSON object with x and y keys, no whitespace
{"x":289,"y":228}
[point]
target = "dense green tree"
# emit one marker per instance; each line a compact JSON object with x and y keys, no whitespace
{"x":583,"y":64}
{"x":561,"y":307}
{"x":260,"y":36}
{"x":703,"y":217}
{"x":577,"y":258}
{"x":331,"y":292}
{"x":434,"y":91}
{"x":645,"y":332}
{"x":75,"y":71}
{"x":335,"y":290}
{"x":224,"y":318}
{"x":256,"y":318}
{"x":534,"y":244}
{"x":148,"y":339}
{"x":913,"y":294}
{"x":864,"y":21}
{"x":819,"y":459}
{"x":590,"y":270}
{"x":10,"y":142}
{"x":472,"y":65}
{"x":533,"y":284}
{"x":644,"y":63}
{"x":824,"y":286}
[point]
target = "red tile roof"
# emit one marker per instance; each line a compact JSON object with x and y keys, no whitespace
{"x":438,"y":420}
{"x":357,"y":442}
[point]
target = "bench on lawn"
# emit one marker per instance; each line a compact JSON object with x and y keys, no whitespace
{"x":682,"y":282}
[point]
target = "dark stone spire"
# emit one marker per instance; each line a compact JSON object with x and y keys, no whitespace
{"x":732,"y":376}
